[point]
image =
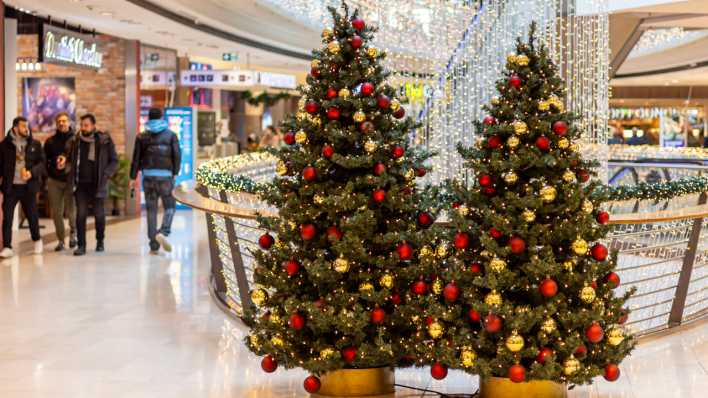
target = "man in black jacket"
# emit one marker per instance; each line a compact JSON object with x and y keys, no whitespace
{"x":92,"y":162}
{"x":157,"y":155}
{"x":22,"y":162}
{"x":61,"y":199}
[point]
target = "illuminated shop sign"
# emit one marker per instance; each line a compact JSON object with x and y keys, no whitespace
{"x":212,"y":78}
{"x":64,"y":47}
{"x":278,"y":80}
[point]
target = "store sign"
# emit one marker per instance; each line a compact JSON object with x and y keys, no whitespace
{"x":278,"y":80}
{"x":215,"y":78}
{"x":181,"y":120}
{"x":64,"y":47}
{"x":150,"y":79}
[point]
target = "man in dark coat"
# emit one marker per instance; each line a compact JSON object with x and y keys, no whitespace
{"x":22,"y":162}
{"x":157,"y":155}
{"x":92,"y":162}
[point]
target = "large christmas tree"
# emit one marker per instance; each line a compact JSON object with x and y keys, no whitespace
{"x":331,"y":287}
{"x":537,"y":284}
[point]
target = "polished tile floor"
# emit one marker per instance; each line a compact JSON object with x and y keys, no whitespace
{"x":128,"y":324}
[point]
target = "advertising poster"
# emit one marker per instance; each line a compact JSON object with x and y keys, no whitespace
{"x":43,"y":98}
{"x":181,"y":121}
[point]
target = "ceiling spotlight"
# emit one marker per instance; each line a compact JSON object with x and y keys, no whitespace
{"x":106,"y":13}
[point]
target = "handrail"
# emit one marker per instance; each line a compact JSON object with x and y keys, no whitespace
{"x":191,"y":198}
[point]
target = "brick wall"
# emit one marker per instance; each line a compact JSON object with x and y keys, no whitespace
{"x":101,"y":92}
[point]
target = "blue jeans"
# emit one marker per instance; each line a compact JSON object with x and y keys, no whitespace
{"x":157,"y":188}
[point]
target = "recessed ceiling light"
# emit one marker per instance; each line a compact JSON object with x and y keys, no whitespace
{"x":674,"y":81}
{"x":106,"y":13}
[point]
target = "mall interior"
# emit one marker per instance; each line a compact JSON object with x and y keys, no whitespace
{"x":370,"y":198}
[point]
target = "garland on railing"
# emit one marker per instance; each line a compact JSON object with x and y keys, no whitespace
{"x":220,"y":173}
{"x":653,"y":191}
{"x":264,"y":98}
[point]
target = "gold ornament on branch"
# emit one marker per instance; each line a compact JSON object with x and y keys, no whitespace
{"x":341,"y":265}
{"x":615,"y":336}
{"x":548,"y":194}
{"x":333,"y":47}
{"x":587,"y":294}
{"x":359,"y":116}
{"x":280,"y":168}
{"x":510,"y":178}
{"x":568,"y":265}
{"x":463,"y":210}
{"x":574,"y":147}
{"x":344,"y":93}
{"x":277,"y":341}
{"x":425,"y":251}
{"x":275,"y":318}
{"x":571,"y":366}
{"x":497,"y":264}
{"x":255,"y":341}
{"x":441,"y":251}
{"x":520,"y":127}
{"x":372,"y":52}
{"x":468,"y":357}
{"x":511,"y":58}
{"x":513,"y":141}
{"x":327,"y":33}
{"x":317,"y":121}
{"x":528,"y":215}
{"x":370,"y":146}
{"x":386,"y":281}
{"x":495,"y":101}
{"x":515,"y":343}
{"x":301,"y":116}
{"x":548,"y":325}
{"x":493,"y":298}
{"x":563,"y":143}
{"x":580,"y":247}
{"x":327,"y":353}
{"x":301,"y":137}
{"x":437,"y":286}
{"x":569,"y":176}
{"x":543,"y":105}
{"x":318,"y":199}
{"x":410,"y":174}
{"x":522,"y":60}
{"x":587,"y":206}
{"x":435,"y":330}
{"x":395,"y":105}
{"x":303,"y":100}
{"x":366,"y":287}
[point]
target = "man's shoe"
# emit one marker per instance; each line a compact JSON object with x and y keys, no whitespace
{"x":38,"y":247}
{"x":72,"y":242}
{"x":162,"y":240}
{"x":60,"y":247}
{"x":80,"y":251}
{"x":7,"y":253}
{"x":99,"y":246}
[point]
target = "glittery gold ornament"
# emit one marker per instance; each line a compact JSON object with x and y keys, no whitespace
{"x":259,"y":297}
{"x":370,"y":146}
{"x":568,"y":265}
{"x":366,"y":287}
{"x":495,"y":101}
{"x":395,"y":105}
{"x":515,"y":343}
{"x":580,"y":247}
{"x":571,"y":366}
{"x":301,"y":137}
{"x":463,"y":210}
{"x":441,"y":250}
{"x":333,"y":47}
{"x":548,"y":194}
{"x":359,"y":116}
{"x":410,"y":174}
{"x":587,"y":206}
{"x":255,"y":341}
{"x":277,"y":341}
{"x":302,"y":116}
{"x":548,"y":325}
{"x":510,"y":178}
{"x":511,"y":58}
{"x":497,"y":264}
{"x":563,"y":143}
{"x":569,"y":176}
{"x":437,"y":286}
{"x":344,"y":93}
{"x":485,"y":253}
{"x":275,"y":318}
{"x":528,"y":215}
{"x":327,"y":353}
{"x":543,"y":105}
{"x":327,"y":32}
{"x":372,"y":52}
{"x":493,"y":298}
{"x":425,"y":251}
{"x":280,"y":168}
{"x":435,"y":330}
{"x":522,"y":60}
{"x":341,"y":265}
{"x":587,"y":294}
{"x":468,"y":357}
{"x":615,"y":336}
{"x":386,"y":281}
{"x":303,"y":100}
{"x":520,"y":127}
{"x":513,"y":142}
{"x":574,"y":147}
{"x":317,"y":121}
{"x":318,"y":199}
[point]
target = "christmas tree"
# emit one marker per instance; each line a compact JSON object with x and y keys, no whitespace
{"x":330,"y":289}
{"x":538,"y":300}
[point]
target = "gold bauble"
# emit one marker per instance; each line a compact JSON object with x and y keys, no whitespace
{"x":386,"y":281}
{"x":314,"y":64}
{"x":497,"y":264}
{"x":301,"y":137}
{"x":333,"y":47}
{"x":259,"y":297}
{"x":341,"y":265}
{"x":441,"y":250}
{"x":587,"y":294}
{"x":510,"y":178}
{"x":528,"y":215}
{"x":580,"y":247}
{"x":327,"y":32}
{"x":570,"y":366}
{"x":515,"y":343}
{"x":495,"y":101}
{"x":395,"y":105}
{"x":370,"y":146}
{"x":548,"y":325}
{"x":493,"y":298}
{"x":615,"y":336}
{"x":513,"y":141}
{"x":435,"y":330}
{"x":468,"y":357}
{"x":463,"y":210}
{"x":569,"y":176}
{"x":317,"y":121}
{"x":548,"y":194}
{"x":366,"y":287}
{"x":327,"y":353}
{"x":359,"y":116}
{"x":410,"y":175}
{"x":437,"y":286}
{"x":543,"y":106}
{"x":425,"y":251}
{"x":275,"y":318}
{"x":568,"y":265}
{"x":277,"y":341}
{"x":563,"y":143}
{"x":573,"y":147}
{"x":511,"y":58}
{"x":522,"y":60}
{"x":372,"y":52}
{"x":344,"y":93}
{"x":318,"y":199}
{"x":520,"y":127}
{"x":301,"y":116}
{"x":255,"y":341}
{"x":280,"y":168}
{"x":587,"y":206}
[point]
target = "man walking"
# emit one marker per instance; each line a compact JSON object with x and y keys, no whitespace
{"x":22,"y":162}
{"x":157,"y":155}
{"x":93,"y":161}
{"x":61,"y":199}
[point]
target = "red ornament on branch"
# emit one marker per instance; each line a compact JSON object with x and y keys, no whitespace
{"x":462,"y":241}
{"x":495,"y":233}
{"x":492,"y":323}
{"x":475,"y":268}
{"x":297,"y":321}
{"x":367,"y":89}
{"x":560,"y":128}
{"x":517,"y":245}
{"x":484,"y":180}
{"x":425,"y":219}
{"x":309,"y":173}
{"x":331,"y":93}
{"x":358,"y":24}
{"x":269,"y":364}
{"x":489,"y":120}
{"x":379,"y":168}
{"x":311,"y":107}
{"x":405,"y":251}
{"x":349,"y":354}
{"x":292,"y":267}
{"x":594,"y":333}
{"x":543,"y":143}
{"x":599,"y":252}
{"x":357,"y":42}
{"x":289,"y":138}
{"x":517,"y":373}
{"x":581,"y":351}
{"x":378,"y":316}
{"x":515,"y":81}
{"x":544,"y":353}
{"x":312,"y":384}
{"x":602,"y":217}
{"x":397,"y":151}
{"x":583,"y":175}
{"x":327,"y":151}
{"x":315,"y":72}
{"x":383,"y":101}
{"x":489,"y":191}
{"x":400,"y":113}
{"x":266,"y":241}
{"x":494,"y":142}
{"x":438,"y":371}
{"x":419,"y":287}
{"x":451,"y":292}
{"x":379,"y":195}
{"x":334,"y":233}
{"x":395,"y":298}
{"x":420,"y":171}
{"x":333,"y":113}
{"x":474,"y":315}
{"x":612,"y":280}
{"x":548,"y":288}
{"x":366,"y":127}
{"x":612,"y":372}
{"x":307,"y":231}
{"x":623,"y":317}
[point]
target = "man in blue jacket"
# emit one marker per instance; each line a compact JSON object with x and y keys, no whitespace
{"x":157,"y":155}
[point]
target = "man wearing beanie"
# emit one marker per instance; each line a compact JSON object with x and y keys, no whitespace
{"x":157,"y":155}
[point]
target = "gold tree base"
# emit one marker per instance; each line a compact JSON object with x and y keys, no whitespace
{"x":357,"y":383}
{"x":501,"y":387}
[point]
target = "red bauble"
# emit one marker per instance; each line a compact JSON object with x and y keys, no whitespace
{"x":327,"y":151}
{"x":358,"y":24}
{"x":623,"y":318}
{"x":495,"y":233}
{"x":309,"y":173}
{"x":379,"y":195}
{"x":269,"y":364}
{"x":425,"y":219}
{"x":599,"y":252}
{"x":297,"y":321}
{"x":378,"y":316}
{"x":602,"y":217}
{"x":484,"y":180}
{"x":419,"y":287}
{"x":612,"y":372}
{"x":612,"y":280}
{"x":383,"y":101}
{"x":438,"y":371}
{"x":543,"y":143}
{"x":462,"y":241}
{"x":311,"y":107}
{"x":319,"y":303}
{"x":543,"y":353}
{"x":451,"y":292}
{"x":289,"y":138}
{"x":474,"y":315}
{"x":489,"y":191}
{"x":379,"y":168}
{"x":266,"y":241}
{"x":367,"y":88}
{"x":397,"y":151}
{"x":583,"y":175}
{"x":594,"y":333}
{"x":396,"y":299}
{"x":331,"y":93}
{"x":548,"y":288}
{"x":489,"y":120}
{"x":560,"y":128}
{"x":349,"y":354}
{"x":312,"y":384}
{"x":333,"y":113}
{"x":366,"y":127}
{"x":581,"y":351}
{"x":307,"y":231}
{"x":399,"y":113}
{"x":291,"y":267}
{"x":405,"y":251}
{"x":492,"y":323}
{"x":475,"y":268}
{"x":334,"y":232}
{"x":517,"y":245}
{"x":494,"y":142}
{"x":515,"y":81}
{"x":594,"y":284}
{"x":517,"y":373}
{"x":420,"y":171}
{"x":428,"y":320}
{"x":315,"y":73}
{"x":357,"y":41}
